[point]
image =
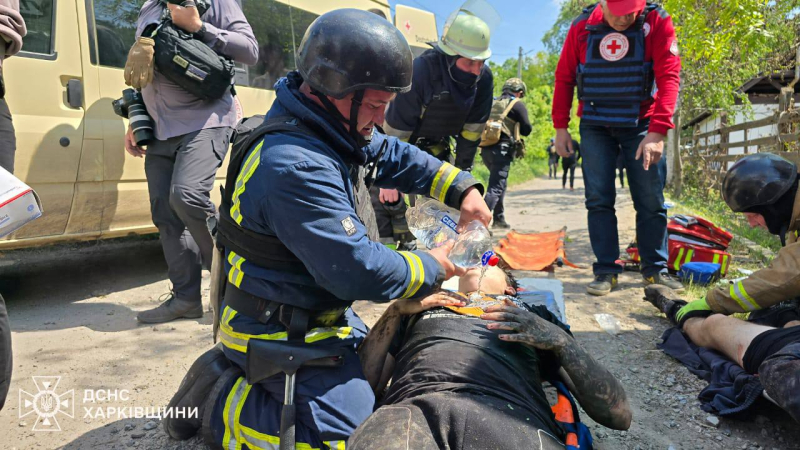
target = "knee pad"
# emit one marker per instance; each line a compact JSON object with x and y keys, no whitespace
{"x":780,"y":376}
{"x":193,"y":393}
{"x":396,"y":427}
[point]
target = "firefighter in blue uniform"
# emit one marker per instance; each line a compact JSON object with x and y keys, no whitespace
{"x":450,"y":100}
{"x":296,"y":208}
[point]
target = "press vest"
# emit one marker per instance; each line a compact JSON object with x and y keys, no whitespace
{"x":441,"y":117}
{"x":615,"y":79}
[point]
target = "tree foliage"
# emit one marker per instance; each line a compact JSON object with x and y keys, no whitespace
{"x":724,"y":44}
{"x":538,"y":74}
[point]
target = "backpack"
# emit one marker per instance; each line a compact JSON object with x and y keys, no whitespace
{"x":494,"y":127}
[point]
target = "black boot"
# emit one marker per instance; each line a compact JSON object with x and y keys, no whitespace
{"x":193,"y":393}
{"x":665,"y":299}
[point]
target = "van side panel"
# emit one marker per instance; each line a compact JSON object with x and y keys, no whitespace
{"x":49,"y":131}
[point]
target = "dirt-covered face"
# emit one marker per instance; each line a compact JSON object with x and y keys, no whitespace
{"x":494,"y":282}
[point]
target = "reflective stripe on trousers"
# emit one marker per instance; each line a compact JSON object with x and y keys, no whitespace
{"x":237,"y":435}
{"x":238,"y":341}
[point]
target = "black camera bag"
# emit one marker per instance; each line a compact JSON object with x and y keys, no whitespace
{"x":191,"y":64}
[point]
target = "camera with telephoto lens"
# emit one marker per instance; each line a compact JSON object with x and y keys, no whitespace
{"x":131,"y":106}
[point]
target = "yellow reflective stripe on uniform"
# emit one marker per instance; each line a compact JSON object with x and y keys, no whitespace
{"x":417,"y":271}
{"x":473,"y":131}
{"x":260,"y":441}
{"x":689,"y":255}
{"x":248,"y":168}
{"x":736,"y":292}
{"x":238,"y":341}
{"x":231,"y":412}
{"x":715,"y":260}
{"x":236,"y":274}
{"x":443,"y":180}
{"x":470,"y":135}
{"x":335,"y":445}
{"x":725,"y":259}
{"x":677,"y":265}
{"x":747,"y":297}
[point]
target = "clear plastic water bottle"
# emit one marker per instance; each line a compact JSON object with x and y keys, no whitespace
{"x":433,"y":224}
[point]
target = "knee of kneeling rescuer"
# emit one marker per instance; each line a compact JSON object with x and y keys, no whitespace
{"x":780,"y":376}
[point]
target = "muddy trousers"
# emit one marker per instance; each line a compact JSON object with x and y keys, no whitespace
{"x":180,"y":174}
{"x":498,"y":159}
{"x":453,"y":420}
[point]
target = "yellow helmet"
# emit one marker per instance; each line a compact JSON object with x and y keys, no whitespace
{"x":467,"y":36}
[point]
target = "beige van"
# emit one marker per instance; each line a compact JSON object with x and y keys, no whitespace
{"x":70,"y":142}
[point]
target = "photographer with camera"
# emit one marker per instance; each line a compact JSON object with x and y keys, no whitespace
{"x":181,"y":61}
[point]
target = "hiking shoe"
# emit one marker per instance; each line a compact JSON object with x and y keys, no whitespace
{"x":602,"y":284}
{"x":665,"y":279}
{"x":173,"y":308}
{"x":665,"y":299}
{"x":500,"y":223}
{"x":193,"y":393}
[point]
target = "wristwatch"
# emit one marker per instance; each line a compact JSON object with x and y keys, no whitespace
{"x":201,"y":32}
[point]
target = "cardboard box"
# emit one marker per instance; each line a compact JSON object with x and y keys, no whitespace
{"x":19,"y":204}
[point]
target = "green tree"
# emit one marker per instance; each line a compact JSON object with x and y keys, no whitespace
{"x":724,"y":44}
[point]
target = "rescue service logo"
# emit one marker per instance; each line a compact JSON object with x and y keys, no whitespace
{"x":46,"y":403}
{"x":614,"y":47}
{"x":97,"y":404}
{"x":349,"y":226}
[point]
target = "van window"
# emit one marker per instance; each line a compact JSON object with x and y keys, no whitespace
{"x":38,"y":16}
{"x":273,"y":23}
{"x":115,"y":24}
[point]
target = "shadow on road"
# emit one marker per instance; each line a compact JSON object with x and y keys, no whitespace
{"x":63,"y":278}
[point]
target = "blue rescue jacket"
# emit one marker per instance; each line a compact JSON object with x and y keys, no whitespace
{"x":299,"y":188}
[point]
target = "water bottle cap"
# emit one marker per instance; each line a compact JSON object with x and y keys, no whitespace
{"x":489,"y":259}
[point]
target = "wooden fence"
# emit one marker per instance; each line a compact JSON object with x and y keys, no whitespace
{"x":707,"y":153}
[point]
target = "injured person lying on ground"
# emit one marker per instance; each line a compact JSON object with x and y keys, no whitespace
{"x":770,"y":352}
{"x":466,"y":380}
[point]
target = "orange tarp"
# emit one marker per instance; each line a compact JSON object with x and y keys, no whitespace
{"x":533,"y":251}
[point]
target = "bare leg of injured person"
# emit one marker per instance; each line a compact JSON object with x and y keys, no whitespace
{"x":771,"y":353}
{"x":727,"y":335}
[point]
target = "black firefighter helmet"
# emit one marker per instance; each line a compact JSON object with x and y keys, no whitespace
{"x":757,"y":180}
{"x":350,"y":50}
{"x":765,"y":184}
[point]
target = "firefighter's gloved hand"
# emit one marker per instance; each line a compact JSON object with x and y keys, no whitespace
{"x":697,"y":308}
{"x":139,"y":67}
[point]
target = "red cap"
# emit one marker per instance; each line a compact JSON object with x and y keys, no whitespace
{"x":494,"y":260}
{"x":625,"y":7}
